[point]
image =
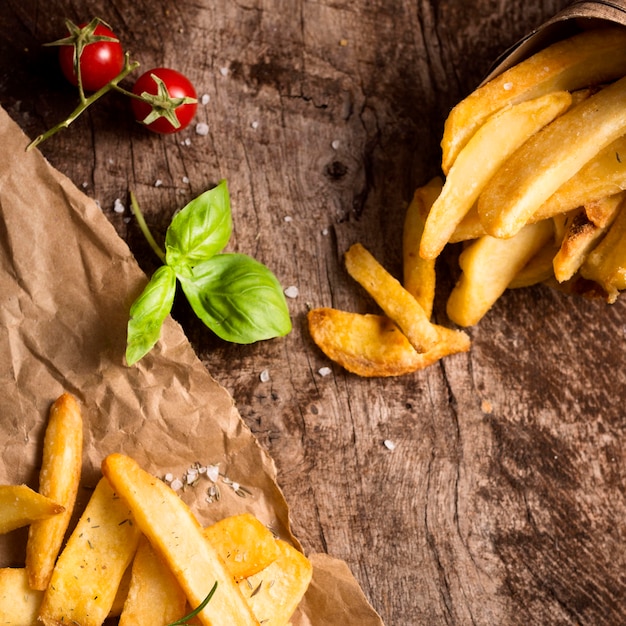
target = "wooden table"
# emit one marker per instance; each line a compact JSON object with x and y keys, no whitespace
{"x":504,"y":499}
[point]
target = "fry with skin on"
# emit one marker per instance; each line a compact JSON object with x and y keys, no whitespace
{"x":478,"y":161}
{"x":589,"y":58}
{"x":373,"y":346}
{"x":178,"y":539}
{"x":418,"y":273}
{"x":58,"y":480}
{"x":92,"y":564}
{"x":550,"y":158}
{"x":580,"y":238}
{"x":489,"y":265}
{"x":21,"y":506}
{"x":396,"y":302}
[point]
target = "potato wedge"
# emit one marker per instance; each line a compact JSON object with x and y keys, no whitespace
{"x":580,"y":238}
{"x":88,"y":571}
{"x":602,"y":176}
{"x":418,"y":273}
{"x":245,"y":545}
{"x":589,"y":58}
{"x":373,"y":346}
{"x":19,"y":604}
{"x":58,"y":479}
{"x":489,"y":265}
{"x":275,"y":592}
{"x":549,"y":158}
{"x":606,"y":263}
{"x":396,"y":302}
{"x":154,"y":596}
{"x":493,"y":143}
{"x":21,"y":506}
{"x":178,"y":538}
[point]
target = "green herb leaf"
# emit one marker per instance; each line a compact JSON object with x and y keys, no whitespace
{"x":238,"y":298}
{"x":148,"y":312}
{"x":200,"y":230}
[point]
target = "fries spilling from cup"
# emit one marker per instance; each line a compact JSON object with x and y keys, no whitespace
{"x":533,"y":191}
{"x":137,"y":553}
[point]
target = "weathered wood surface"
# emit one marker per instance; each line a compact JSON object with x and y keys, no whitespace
{"x":504,"y":500}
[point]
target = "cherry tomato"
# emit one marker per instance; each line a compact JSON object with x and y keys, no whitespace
{"x":100,"y":61}
{"x":169,"y":100}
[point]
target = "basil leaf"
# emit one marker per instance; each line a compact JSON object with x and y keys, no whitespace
{"x":148,"y":312}
{"x":238,"y":298}
{"x":200,"y":230}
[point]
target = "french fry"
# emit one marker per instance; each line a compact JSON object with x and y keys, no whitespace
{"x":489,"y":265}
{"x":580,"y":238}
{"x":88,"y":571}
{"x":419,"y":273}
{"x":245,"y":545}
{"x":21,"y":506}
{"x":275,"y":592}
{"x":373,"y":346}
{"x":396,"y":302}
{"x":592,"y":57}
{"x":549,"y":158}
{"x":178,"y":538}
{"x":602,"y":176}
{"x":606,"y":263}
{"x":154,"y":597}
{"x":19,"y":604}
{"x":493,"y":143}
{"x":58,"y":479}
{"x":539,"y":269}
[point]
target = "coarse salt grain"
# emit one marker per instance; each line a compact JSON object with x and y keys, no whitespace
{"x":255,"y":124}
{"x":292,"y":291}
{"x":288,"y":218}
{"x":205,"y":98}
{"x":390,"y":445}
{"x":168,"y":478}
{"x":324,"y":371}
{"x":335,"y":144}
{"x":264,"y":376}
{"x":158,"y":182}
{"x":224,"y":71}
{"x":118,"y":207}
{"x":213,"y":472}
{"x":507,"y":86}
{"x":176,"y":484}
{"x":186,"y":180}
{"x":202,"y":129}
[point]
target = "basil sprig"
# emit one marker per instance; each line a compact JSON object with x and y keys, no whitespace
{"x":237,"y":297}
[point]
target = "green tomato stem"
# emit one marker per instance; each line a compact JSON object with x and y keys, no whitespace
{"x":85,"y":102}
{"x":134,"y":205}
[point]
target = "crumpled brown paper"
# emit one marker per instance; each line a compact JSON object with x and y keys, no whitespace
{"x":67,"y":281}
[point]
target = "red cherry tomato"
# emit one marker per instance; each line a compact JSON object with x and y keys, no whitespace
{"x":168,"y":96}
{"x":100,"y":61}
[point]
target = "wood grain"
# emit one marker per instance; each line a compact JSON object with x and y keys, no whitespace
{"x":504,"y":499}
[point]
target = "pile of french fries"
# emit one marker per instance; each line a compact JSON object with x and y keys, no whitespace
{"x":137,"y":553}
{"x":533,"y":188}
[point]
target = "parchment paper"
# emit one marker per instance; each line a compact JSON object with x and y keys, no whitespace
{"x":66,"y":282}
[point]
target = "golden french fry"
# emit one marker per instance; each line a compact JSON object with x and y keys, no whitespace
{"x":275,"y":592}
{"x":19,"y":604}
{"x":580,"y":238}
{"x":489,"y":265}
{"x":178,"y":538}
{"x":493,"y":143}
{"x":154,"y":596}
{"x":418,"y":273}
{"x":58,"y":479}
{"x":245,"y":545}
{"x":396,"y":302}
{"x":373,"y":346}
{"x":88,"y":571}
{"x":470,"y":227}
{"x":589,"y":58}
{"x":21,"y":506}
{"x":606,"y":263}
{"x":539,"y":269}
{"x":549,"y":158}
{"x":602,"y":176}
